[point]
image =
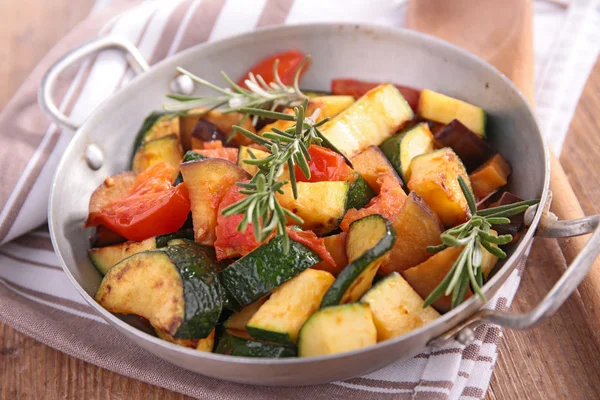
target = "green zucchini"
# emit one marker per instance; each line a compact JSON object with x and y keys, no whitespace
{"x":337,"y":329}
{"x":233,"y":344}
{"x":396,"y":307}
{"x":368,"y":240}
{"x":321,"y":205}
{"x":239,"y":319}
{"x":156,"y":125}
{"x":189,"y":155}
{"x":175,"y":288}
{"x":369,"y":121}
{"x":279,"y":320}
{"x":264,"y":269}
{"x":164,"y":149}
{"x":400,"y":149}
{"x":359,"y":193}
{"x":443,"y":109}
{"x":104,"y":258}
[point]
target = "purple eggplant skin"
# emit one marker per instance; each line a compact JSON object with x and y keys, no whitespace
{"x":207,"y":132}
{"x":516,"y":221}
{"x":471,"y":148}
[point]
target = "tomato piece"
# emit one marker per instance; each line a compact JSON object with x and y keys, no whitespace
{"x":325,"y":165}
{"x":155,"y":179}
{"x":387,"y":203}
{"x":231,"y":242}
{"x":310,"y":240}
{"x":226,"y":153}
{"x":356,"y":88}
{"x":138,"y":217}
{"x":289,"y":61}
{"x":152,"y":206}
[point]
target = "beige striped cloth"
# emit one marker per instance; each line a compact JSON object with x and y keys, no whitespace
{"x":36,"y":297}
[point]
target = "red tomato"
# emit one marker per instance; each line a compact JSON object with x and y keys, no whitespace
{"x":356,"y":88}
{"x":387,"y":203}
{"x":231,"y":243}
{"x":325,"y":165}
{"x":226,"y":153}
{"x":289,"y":62}
{"x":153,"y":207}
{"x":139,"y":217}
{"x":310,"y":240}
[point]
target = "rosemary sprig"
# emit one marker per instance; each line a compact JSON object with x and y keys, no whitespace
{"x":473,"y":235}
{"x":287,"y":148}
{"x":259,"y":95}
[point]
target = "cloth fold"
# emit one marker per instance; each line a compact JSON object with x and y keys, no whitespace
{"x":36,"y":297}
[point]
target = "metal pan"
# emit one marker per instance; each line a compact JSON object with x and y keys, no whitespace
{"x":102,"y":145}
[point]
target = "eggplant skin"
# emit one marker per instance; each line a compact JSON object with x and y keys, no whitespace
{"x":175,"y":288}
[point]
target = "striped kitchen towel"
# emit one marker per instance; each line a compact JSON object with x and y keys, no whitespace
{"x":37,"y":298}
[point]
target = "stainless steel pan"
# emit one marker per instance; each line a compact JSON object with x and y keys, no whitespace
{"x":102,"y":145}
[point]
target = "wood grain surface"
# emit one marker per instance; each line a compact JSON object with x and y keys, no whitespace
{"x":556,"y":360}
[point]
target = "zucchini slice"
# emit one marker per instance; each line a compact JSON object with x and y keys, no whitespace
{"x":321,"y":205}
{"x":235,"y":343}
{"x":239,"y":320}
{"x":165,"y":149}
{"x":369,"y":121}
{"x":397,"y":309}
{"x":435,"y":178}
{"x":189,"y":155}
{"x":337,"y":329}
{"x":264,"y":269}
{"x":205,"y":344}
{"x":104,"y":258}
{"x":359,"y":193}
{"x":176,"y":289}
{"x":403,"y":147}
{"x":279,"y":320}
{"x":207,"y":181}
{"x":155,"y":126}
{"x":443,"y":109}
{"x":368,"y":240}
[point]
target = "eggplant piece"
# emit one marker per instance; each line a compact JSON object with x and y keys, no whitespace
{"x":471,"y":148}
{"x":516,"y":221}
{"x":208,"y":132}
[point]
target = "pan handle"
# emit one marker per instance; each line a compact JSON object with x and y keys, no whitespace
{"x":549,"y":227}
{"x":132,"y":54}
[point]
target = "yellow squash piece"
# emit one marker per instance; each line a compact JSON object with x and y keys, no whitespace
{"x":369,"y":121}
{"x":434,"y":177}
{"x":337,"y":329}
{"x":397,"y":309}
{"x":279,"y":320}
{"x":443,"y":109}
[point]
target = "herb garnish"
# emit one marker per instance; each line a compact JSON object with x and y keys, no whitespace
{"x":288,"y":148}
{"x":473,"y":235}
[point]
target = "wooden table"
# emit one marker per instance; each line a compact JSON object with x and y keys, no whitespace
{"x":553,"y":361}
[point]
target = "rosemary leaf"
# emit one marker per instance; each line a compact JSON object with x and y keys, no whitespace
{"x":468,"y":195}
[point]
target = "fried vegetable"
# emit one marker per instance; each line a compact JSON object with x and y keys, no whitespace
{"x":368,"y":241}
{"x":165,"y":149}
{"x":396,"y":307}
{"x":416,"y":226}
{"x":176,"y":289}
{"x":490,"y":176}
{"x":435,"y":178}
{"x":337,"y":329}
{"x":369,"y":121}
{"x":441,"y":108}
{"x":279,"y":320}
{"x":207,"y":181}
